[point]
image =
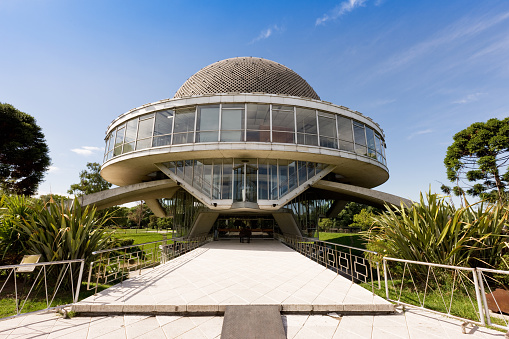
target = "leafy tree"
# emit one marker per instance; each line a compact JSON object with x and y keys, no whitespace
{"x":90,"y":181}
{"x":345,"y":218}
{"x":364,"y":219}
{"x":139,"y":214}
{"x":24,"y":155}
{"x":479,"y":154}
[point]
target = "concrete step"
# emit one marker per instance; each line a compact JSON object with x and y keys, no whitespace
{"x":90,"y":307}
{"x":252,"y":322}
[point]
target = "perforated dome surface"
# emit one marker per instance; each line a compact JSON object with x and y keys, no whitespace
{"x":246,"y":75}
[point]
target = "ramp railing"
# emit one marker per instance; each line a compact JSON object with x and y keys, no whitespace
{"x":117,"y":264}
{"x":351,"y":262}
{"x":38,"y":287}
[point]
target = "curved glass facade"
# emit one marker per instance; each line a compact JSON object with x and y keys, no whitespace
{"x":245,"y":123}
{"x":243,"y":180}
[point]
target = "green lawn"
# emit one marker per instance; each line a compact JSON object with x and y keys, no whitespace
{"x":8,"y":304}
{"x":348,"y":239}
{"x":139,"y":236}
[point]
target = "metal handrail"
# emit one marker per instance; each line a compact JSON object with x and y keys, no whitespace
{"x":336,"y":244}
{"x":75,"y":291}
{"x":43,"y":263}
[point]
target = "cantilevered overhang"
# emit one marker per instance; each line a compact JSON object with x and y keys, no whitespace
{"x":131,"y":168}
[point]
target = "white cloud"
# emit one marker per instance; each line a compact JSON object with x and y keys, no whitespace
{"x":426,"y":131}
{"x":339,"y":10}
{"x":463,"y":28}
{"x":53,"y":169}
{"x":469,"y":98}
{"x":86,"y":150}
{"x":266,"y":33}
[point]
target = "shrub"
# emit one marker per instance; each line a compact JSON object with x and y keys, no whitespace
{"x":432,"y":230}
{"x":13,"y":209}
{"x":62,"y":231}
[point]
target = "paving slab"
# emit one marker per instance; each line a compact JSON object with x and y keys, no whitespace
{"x":222,"y":273}
{"x":413,"y":324}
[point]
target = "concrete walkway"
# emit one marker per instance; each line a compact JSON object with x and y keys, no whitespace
{"x":263,"y":272}
{"x":185,"y":298}
{"x":411,"y":324}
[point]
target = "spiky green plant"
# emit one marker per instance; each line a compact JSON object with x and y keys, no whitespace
{"x":432,"y":230}
{"x":14,"y":209}
{"x":62,"y":231}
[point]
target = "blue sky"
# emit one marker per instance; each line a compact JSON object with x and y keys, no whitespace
{"x":423,"y":70}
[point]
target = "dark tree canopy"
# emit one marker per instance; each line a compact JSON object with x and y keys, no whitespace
{"x":90,"y":181}
{"x":478,"y":159}
{"x":24,"y":155}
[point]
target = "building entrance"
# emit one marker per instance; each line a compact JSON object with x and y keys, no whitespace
{"x":261,"y":227}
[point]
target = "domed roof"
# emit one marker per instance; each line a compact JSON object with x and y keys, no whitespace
{"x":246,"y":75}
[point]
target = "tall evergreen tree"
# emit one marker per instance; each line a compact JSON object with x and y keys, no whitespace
{"x":24,"y":155}
{"x":478,"y":160}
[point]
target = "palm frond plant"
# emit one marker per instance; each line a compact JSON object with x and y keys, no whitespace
{"x":63,"y":231}
{"x":14,"y":209}
{"x":432,"y":230}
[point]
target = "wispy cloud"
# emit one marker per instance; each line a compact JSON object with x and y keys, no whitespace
{"x":469,"y":98}
{"x":426,"y":131}
{"x":53,"y":169}
{"x":339,"y":10}
{"x":463,"y":28}
{"x":266,"y":33}
{"x":86,"y":150}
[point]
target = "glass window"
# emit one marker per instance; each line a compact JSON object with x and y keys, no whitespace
{"x":184,"y":120}
{"x":306,"y":127}
{"x":283,"y":124}
{"x":226,"y":190}
{"x":216,"y":184}
{"x":130,"y":134}
{"x":208,"y":120}
{"x":370,"y":138}
{"x":327,"y":128}
{"x":292,"y":176}
{"x":207,"y":177}
{"x":143,"y":143}
{"x":346,"y":146}
{"x":306,"y":121}
{"x":164,"y":123}
{"x":263,"y":191}
{"x":119,"y":139}
{"x":184,"y":126}
{"x":272,"y":164}
{"x":283,"y":118}
{"x":360,"y":137}
{"x":197,"y":176}
{"x":258,"y":123}
{"x":283,"y":177}
{"x":162,"y":140}
{"x":232,"y":123}
{"x":302,"y":172}
{"x":345,"y":128}
{"x":145,"y":127}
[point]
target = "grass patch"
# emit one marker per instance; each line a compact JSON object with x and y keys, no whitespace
{"x":140,"y":236}
{"x":348,"y":239}
{"x":38,"y":302}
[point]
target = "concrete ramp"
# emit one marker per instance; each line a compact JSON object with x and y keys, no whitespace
{"x":252,"y":322}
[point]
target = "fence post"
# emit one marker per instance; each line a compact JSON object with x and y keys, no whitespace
{"x":78,"y":283}
{"x":480,"y":282}
{"x":351,"y":263}
{"x":385,"y":279}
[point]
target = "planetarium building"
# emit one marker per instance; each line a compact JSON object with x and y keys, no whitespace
{"x":246,"y":141}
